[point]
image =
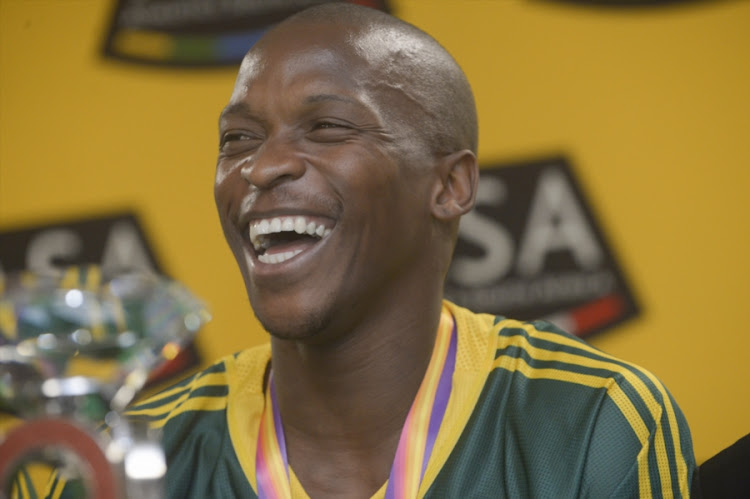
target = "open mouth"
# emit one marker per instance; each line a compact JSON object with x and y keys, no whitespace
{"x":279,"y":239}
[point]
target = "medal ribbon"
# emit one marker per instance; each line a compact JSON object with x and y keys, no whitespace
{"x":417,"y":437}
{"x":271,"y":464}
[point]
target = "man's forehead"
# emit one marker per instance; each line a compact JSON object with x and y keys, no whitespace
{"x":378,"y":67}
{"x":359,"y":48}
{"x":332,"y":56}
{"x":313,"y":71}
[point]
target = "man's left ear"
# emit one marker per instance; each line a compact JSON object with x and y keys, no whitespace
{"x":456,"y":185}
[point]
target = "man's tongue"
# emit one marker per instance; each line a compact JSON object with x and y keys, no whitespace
{"x":286,"y":246}
{"x":301,"y":243}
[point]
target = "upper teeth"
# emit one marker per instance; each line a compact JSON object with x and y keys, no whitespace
{"x":300,"y":225}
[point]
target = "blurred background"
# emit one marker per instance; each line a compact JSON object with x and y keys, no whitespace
{"x":647,"y":104}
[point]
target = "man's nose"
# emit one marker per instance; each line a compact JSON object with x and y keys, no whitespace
{"x":275,"y":161}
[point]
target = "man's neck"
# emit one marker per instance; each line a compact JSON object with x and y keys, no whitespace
{"x":343,"y":406}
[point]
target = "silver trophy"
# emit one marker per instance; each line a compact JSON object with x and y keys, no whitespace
{"x":75,"y":349}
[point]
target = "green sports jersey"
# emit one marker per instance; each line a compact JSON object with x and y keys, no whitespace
{"x":534,"y":412}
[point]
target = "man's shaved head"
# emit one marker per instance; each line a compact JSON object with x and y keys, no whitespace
{"x":408,"y":60}
{"x":363,"y":127}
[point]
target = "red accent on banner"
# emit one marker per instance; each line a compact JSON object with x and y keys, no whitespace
{"x":597,"y":313}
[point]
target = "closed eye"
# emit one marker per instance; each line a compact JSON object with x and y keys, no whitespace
{"x":329,"y":124}
{"x":330,"y":131}
{"x":237,"y":142}
{"x":233,"y":136}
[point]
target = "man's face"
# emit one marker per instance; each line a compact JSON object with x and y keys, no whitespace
{"x":322,"y":191}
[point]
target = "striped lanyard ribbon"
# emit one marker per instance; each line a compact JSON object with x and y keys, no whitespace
{"x":414,"y":446}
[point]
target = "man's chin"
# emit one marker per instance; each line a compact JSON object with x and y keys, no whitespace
{"x":293,"y":327}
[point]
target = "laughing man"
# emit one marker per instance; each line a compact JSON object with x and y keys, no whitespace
{"x":347,"y":157}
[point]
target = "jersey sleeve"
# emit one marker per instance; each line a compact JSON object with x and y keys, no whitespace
{"x":641,"y":444}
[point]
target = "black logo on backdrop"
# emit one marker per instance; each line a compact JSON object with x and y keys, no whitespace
{"x":197,"y":32}
{"x":533,"y":249}
{"x":114,"y":243}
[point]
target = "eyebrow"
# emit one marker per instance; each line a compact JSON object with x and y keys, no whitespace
{"x":314,"y":99}
{"x":236,"y":109}
{"x":244,"y":109}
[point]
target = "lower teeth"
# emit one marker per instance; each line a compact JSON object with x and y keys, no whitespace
{"x":278,"y":257}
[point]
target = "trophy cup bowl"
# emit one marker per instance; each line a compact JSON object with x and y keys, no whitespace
{"x":75,"y":349}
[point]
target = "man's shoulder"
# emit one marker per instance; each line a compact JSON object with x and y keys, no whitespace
{"x":204,"y":392}
{"x":541,"y":350}
{"x":538,"y":349}
{"x":541,"y":383}
{"x":536,"y":360}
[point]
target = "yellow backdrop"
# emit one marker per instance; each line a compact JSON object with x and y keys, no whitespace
{"x":651,"y":106}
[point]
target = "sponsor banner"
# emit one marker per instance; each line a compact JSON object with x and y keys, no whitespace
{"x":533,"y":249}
{"x":114,"y":243}
{"x":197,"y":32}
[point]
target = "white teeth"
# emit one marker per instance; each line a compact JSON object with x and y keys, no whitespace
{"x":279,"y":257}
{"x":298,"y":224}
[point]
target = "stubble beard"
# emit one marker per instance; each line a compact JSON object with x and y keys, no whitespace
{"x":298,"y":329}
{"x":303,"y":324}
